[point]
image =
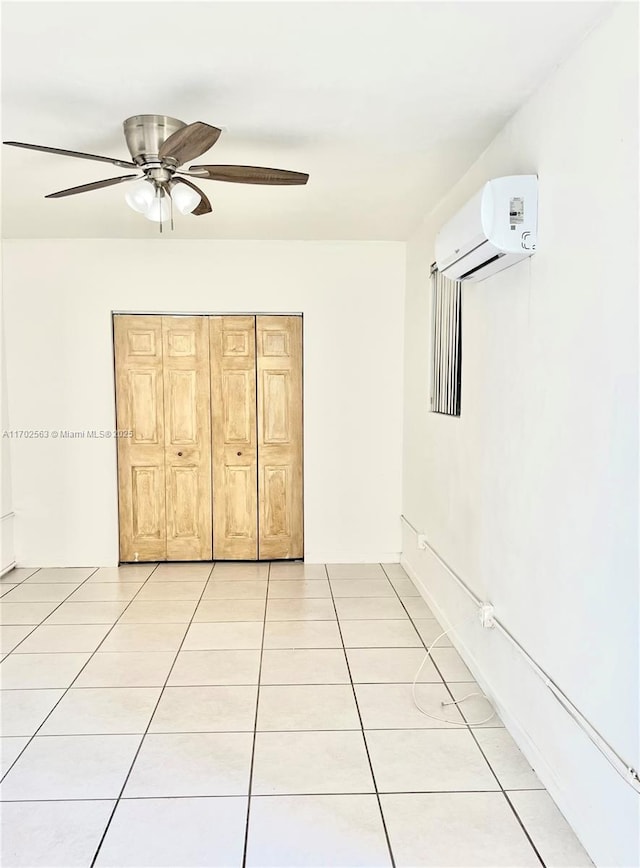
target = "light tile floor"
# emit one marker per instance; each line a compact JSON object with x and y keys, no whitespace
{"x":255,"y":715}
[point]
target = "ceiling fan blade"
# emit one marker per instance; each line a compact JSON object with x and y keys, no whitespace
{"x":96,"y":185}
{"x":124,"y":164}
{"x":250,"y":175}
{"x":189,"y":142}
{"x":204,"y":206}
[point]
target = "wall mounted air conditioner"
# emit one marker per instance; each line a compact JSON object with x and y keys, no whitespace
{"x":495,"y":229}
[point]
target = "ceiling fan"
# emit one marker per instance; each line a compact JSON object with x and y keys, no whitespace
{"x":159,"y":146}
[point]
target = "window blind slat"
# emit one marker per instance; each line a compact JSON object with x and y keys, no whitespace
{"x":446,"y":323}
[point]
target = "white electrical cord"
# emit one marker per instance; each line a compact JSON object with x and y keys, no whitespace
{"x":455,"y":702}
{"x":626,"y":771}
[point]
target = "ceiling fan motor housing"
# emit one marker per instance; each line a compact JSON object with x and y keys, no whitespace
{"x":146,"y":133}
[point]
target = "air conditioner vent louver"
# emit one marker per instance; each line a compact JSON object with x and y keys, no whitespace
{"x":477,"y":268}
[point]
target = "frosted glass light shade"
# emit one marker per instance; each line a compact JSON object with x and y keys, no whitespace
{"x":184,"y":198}
{"x":160,"y":210}
{"x":139,"y":196}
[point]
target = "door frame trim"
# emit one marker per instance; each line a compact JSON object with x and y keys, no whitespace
{"x":207,"y":313}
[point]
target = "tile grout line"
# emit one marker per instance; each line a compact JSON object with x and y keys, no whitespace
{"x":255,"y":726}
{"x":244,"y":731}
{"x":521,"y":822}
{"x":106,"y":635}
{"x":157,"y":798}
{"x":64,"y":690}
{"x":151,"y":716}
{"x":203,"y":621}
{"x":266,"y":795}
{"x":35,"y":626}
{"x":35,"y":570}
{"x":241,"y":684}
{"x":43,"y":622}
{"x":508,"y":801}
{"x":19,"y":584}
{"x":470,"y":727}
{"x":364,"y":740}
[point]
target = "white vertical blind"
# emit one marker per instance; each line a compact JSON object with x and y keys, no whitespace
{"x":446,"y":345}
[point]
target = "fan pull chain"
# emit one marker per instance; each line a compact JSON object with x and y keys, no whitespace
{"x":159,"y":206}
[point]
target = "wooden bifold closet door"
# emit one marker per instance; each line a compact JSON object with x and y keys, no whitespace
{"x":213,"y":468}
{"x":279,"y":368}
{"x":164,"y":467}
{"x":235,"y":452}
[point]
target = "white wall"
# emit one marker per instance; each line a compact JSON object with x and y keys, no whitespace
{"x":58,"y":301}
{"x":531,"y":495}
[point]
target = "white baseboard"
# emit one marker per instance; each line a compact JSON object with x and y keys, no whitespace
{"x":334,"y":556}
{"x":7,"y":546}
{"x":312,"y":558}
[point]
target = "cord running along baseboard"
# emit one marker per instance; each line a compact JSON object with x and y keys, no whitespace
{"x":625,"y":770}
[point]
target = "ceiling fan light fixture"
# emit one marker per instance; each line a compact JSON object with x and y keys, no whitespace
{"x":184,"y":198}
{"x":140,"y":196}
{"x":159,"y":211}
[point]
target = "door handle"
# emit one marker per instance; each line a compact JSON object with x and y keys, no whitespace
{"x":239,"y":454}
{"x":179,"y":454}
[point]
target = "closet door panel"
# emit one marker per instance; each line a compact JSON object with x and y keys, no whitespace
{"x":140,"y":410}
{"x":187,"y":420}
{"x":279,"y":366}
{"x":233,"y":409}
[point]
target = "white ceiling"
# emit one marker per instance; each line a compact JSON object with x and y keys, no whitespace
{"x":385,"y":104}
